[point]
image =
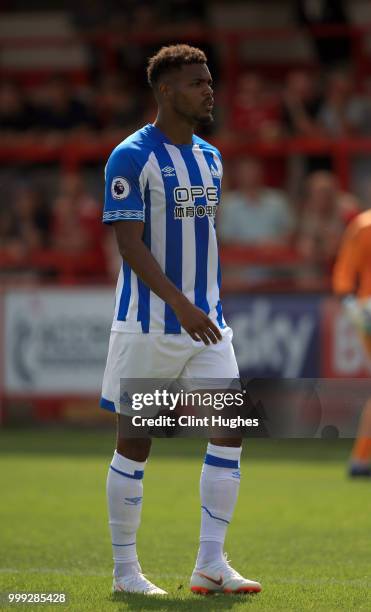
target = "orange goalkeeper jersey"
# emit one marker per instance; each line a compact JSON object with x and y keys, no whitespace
{"x":352,"y":271}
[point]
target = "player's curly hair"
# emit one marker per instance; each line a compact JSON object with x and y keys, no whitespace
{"x":173,"y":56}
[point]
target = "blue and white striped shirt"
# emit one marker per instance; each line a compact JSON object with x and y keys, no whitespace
{"x":175,"y":191}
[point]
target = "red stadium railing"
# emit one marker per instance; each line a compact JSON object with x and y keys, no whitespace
{"x":74,"y":152}
{"x":264,"y":268}
{"x":53,"y":265}
{"x":237,"y":261}
{"x":269,"y":267}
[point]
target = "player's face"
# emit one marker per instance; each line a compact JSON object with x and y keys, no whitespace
{"x":192,"y":93}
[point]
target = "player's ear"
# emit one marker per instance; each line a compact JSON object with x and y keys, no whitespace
{"x":164,"y":89}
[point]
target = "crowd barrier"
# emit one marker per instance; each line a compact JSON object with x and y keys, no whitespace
{"x":54,"y":343}
{"x":54,"y":340}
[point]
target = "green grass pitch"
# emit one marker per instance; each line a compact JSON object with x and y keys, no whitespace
{"x":300,"y":527}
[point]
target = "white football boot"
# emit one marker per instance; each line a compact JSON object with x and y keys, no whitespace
{"x":136,"y":583}
{"x":220,"y":577}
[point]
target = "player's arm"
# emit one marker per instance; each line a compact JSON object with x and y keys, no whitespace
{"x":346,"y":269}
{"x":140,"y":259}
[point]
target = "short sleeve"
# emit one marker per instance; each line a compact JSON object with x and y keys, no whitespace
{"x":123,"y":198}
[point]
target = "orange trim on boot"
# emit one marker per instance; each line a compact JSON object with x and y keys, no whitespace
{"x":201,"y":590}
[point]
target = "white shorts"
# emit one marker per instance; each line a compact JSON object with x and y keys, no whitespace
{"x":171,"y":356}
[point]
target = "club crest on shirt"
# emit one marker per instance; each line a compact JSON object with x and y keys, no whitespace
{"x":120,"y":188}
{"x":214,"y":172}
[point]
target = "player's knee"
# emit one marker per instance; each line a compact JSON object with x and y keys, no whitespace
{"x":136,"y":449}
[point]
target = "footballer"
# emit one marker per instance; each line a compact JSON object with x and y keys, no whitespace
{"x":163,"y":187}
{"x":352,"y":281}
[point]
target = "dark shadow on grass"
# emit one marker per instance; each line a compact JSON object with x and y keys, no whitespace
{"x":195,"y":602}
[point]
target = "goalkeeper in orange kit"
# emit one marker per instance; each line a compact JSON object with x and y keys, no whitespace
{"x":352,"y":281}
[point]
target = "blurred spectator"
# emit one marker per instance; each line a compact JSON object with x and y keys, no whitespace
{"x":343,"y":113}
{"x":325,"y":213}
{"x":301,"y":104}
{"x":185,"y":12}
{"x":76,"y":225}
{"x":143,"y":16}
{"x":331,"y":51}
{"x":61,"y":109}
{"x":92,"y":15}
{"x":15,"y":114}
{"x":116,"y":107}
{"x":24,"y":225}
{"x":252,"y":214}
{"x":255,"y":111}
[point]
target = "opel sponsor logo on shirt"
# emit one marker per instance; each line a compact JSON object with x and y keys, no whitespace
{"x":187,"y":195}
{"x":188,"y":206}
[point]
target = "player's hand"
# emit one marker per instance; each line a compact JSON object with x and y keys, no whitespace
{"x":366,"y":311}
{"x":197,"y":323}
{"x":359,"y":312}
